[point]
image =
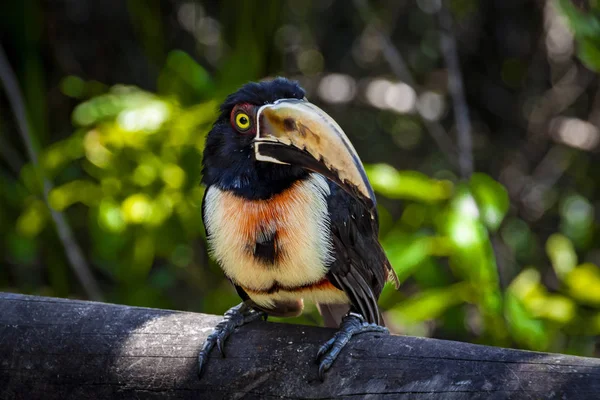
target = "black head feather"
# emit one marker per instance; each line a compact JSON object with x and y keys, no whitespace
{"x":260,"y":93}
{"x":229,"y":160}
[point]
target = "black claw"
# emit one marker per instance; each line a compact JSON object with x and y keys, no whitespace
{"x":325,"y":347}
{"x":220,"y":347}
{"x":234,"y":318}
{"x":203,"y":355}
{"x":322,"y":368}
{"x":352,"y":324}
{"x":200,"y":364}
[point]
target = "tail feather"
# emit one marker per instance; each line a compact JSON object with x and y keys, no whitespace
{"x":392,"y":276}
{"x":333,"y":313}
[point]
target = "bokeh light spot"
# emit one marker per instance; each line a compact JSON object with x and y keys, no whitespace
{"x":136,"y":208}
{"x":431,"y":106}
{"x":337,"y":88}
{"x":110,"y":216}
{"x":173,"y":175}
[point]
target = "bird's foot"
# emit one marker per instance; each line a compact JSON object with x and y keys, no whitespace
{"x":234,"y":318}
{"x":352,"y":324}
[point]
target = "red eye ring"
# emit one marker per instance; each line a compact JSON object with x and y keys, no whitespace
{"x":241,"y":118}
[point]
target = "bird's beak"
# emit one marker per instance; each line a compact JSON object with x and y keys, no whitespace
{"x":296,"y":132}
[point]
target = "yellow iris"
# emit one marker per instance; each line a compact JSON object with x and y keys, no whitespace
{"x":242,"y":121}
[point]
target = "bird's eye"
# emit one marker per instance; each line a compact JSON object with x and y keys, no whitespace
{"x":242,"y":122}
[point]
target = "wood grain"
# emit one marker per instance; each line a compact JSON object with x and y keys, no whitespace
{"x":67,"y":349}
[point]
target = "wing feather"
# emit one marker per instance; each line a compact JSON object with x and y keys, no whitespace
{"x":360,"y":267}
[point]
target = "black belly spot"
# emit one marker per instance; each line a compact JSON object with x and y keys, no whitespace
{"x":266,"y":250}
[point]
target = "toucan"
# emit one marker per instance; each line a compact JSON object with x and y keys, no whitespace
{"x":290,"y":216}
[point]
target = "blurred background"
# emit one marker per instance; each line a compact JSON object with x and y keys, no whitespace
{"x":478,"y":122}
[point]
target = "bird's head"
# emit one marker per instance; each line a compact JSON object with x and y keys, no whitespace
{"x":268,"y":136}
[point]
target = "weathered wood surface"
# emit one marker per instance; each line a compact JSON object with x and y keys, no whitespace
{"x":65,"y":349}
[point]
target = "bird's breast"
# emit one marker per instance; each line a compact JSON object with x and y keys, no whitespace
{"x":275,"y":245}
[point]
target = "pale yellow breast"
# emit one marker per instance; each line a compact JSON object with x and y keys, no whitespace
{"x":298,"y":215}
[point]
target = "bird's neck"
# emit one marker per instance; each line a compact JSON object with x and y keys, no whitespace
{"x":261,"y":182}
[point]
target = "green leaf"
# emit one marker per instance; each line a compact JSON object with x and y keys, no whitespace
{"x":528,"y":289}
{"x":33,"y":219}
{"x":429,"y":304}
{"x":78,"y":191}
{"x":185,"y":79}
{"x":583,"y":283}
{"x":145,"y":108}
{"x":577,"y":220}
{"x":408,"y":252}
{"x":556,"y":308}
{"x":586,"y":27}
{"x":589,"y":53}
{"x":473,"y":260}
{"x":533,"y":296}
{"x":562,"y":254}
{"x":524,"y":328}
{"x":491,"y":198}
{"x":472,"y":255}
{"x":407,"y":184}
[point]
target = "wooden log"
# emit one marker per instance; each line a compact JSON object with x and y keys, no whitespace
{"x":67,"y":349}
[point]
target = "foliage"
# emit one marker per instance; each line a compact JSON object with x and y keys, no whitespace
{"x":586,"y":26}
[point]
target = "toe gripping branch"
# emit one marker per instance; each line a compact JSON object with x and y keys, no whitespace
{"x":234,"y":318}
{"x":352,"y":324}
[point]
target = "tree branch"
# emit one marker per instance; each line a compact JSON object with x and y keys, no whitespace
{"x":68,"y":349}
{"x":72,"y":250}
{"x":456,"y":89}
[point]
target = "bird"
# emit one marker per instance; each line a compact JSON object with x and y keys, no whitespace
{"x":290,"y":216}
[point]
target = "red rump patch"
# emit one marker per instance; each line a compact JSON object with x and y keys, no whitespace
{"x":322,"y":285}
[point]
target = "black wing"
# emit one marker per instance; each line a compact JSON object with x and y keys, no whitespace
{"x":361,"y":267}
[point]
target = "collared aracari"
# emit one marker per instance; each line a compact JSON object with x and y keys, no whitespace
{"x":291,"y":216}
